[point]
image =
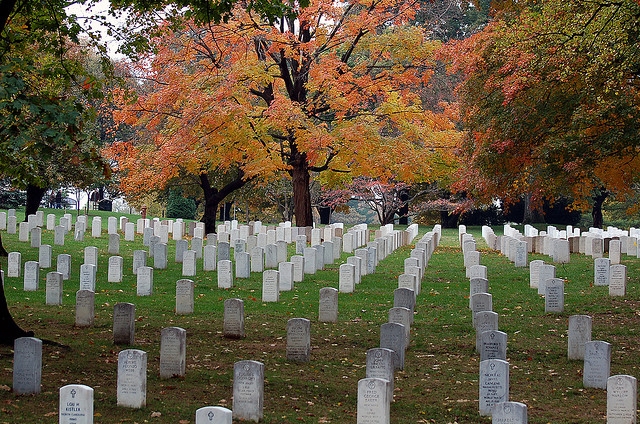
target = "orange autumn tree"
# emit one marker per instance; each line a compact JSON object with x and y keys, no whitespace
{"x":334,"y":88}
{"x":549,"y":102}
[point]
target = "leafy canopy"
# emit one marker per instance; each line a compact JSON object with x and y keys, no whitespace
{"x":549,"y":101}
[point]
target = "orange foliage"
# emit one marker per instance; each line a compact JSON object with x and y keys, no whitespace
{"x":338,"y":85}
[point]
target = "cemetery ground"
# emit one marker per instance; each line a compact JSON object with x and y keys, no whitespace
{"x":439,"y":383}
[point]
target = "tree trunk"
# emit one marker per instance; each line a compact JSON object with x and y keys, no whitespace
{"x":3,"y":251}
{"x":225,"y":211}
{"x":210,"y":211}
{"x":9,"y":330}
{"x":531,"y":214}
{"x":301,"y":195}
{"x":213,"y":197}
{"x":596,"y":212}
{"x":449,"y":220}
{"x":325,"y":215}
{"x":34,"y":197}
{"x":403,"y":211}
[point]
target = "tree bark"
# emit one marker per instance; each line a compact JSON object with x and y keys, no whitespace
{"x":9,"y":330}
{"x":596,"y":212}
{"x":3,"y":251}
{"x":34,"y":197}
{"x":301,"y":195}
{"x":531,"y":214}
{"x":325,"y":215}
{"x":213,"y":197}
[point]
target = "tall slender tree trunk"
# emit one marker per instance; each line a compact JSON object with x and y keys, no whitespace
{"x":301,"y":194}
{"x":596,"y":212}
{"x":34,"y":197}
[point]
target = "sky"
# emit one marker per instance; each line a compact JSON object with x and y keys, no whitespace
{"x":84,"y":13}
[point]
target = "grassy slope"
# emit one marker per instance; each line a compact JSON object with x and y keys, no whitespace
{"x":439,"y":383}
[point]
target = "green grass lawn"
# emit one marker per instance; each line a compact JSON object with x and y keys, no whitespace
{"x":438,"y":385}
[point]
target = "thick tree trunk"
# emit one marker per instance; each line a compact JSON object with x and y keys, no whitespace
{"x":9,"y":330}
{"x":210,"y":212}
{"x":596,"y":212}
{"x":34,"y":197}
{"x":301,"y":194}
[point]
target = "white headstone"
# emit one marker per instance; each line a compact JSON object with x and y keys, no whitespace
{"x":347,"y":277}
{"x":184,"y":297}
{"x":545,"y":272}
{"x":618,"y":280}
{"x":299,"y":340}
{"x":248,"y":390}
{"x":494,"y":384}
{"x":257,"y":259}
{"x":63,"y":265}
{"x":139,"y":259}
{"x":601,"y":271}
{"x":509,"y":413}
{"x":285,"y":271}
{"x":597,"y":364}
{"x":114,"y":244}
{"x":75,"y":404}
{"x":14,"y":264}
{"x":210,"y":258}
{"x":225,"y":274}
{"x":554,"y":295}
{"x":189,"y":263}
{"x":132,"y":378}
{"x":493,"y":345}
{"x":124,"y":317}
{"x":380,"y":365}
{"x":27,"y":365}
{"x":31,"y":275}
{"x":615,"y":247}
{"x":45,"y":252}
{"x":54,"y":288}
{"x":480,"y":302}
{"x":116,"y":264}
{"x":579,"y":334}
{"x":622,"y":399}
{"x":328,"y":305}
{"x":393,"y":336}
{"x":85,"y":308}
{"x":233,"y":325}
{"x":173,"y":352}
{"x":485,"y":321}
{"x":88,"y":277}
{"x":270,"y":286}
{"x":214,"y":415}
{"x":374,"y":405}
{"x":298,"y":268}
